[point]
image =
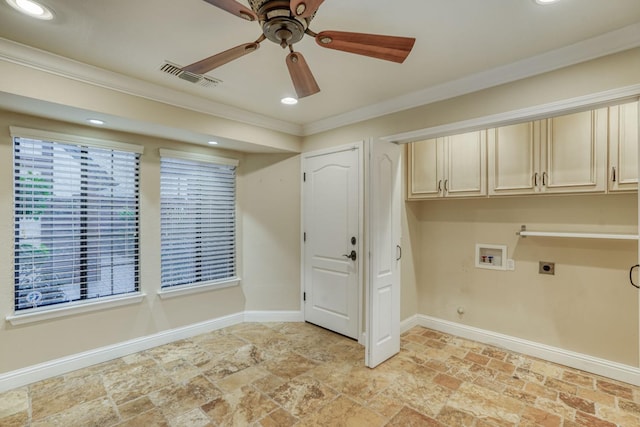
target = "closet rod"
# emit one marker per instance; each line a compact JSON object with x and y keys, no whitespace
{"x":524,"y":233}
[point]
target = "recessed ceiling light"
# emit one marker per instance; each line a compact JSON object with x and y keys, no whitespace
{"x":289,"y":101}
{"x":545,"y":1}
{"x":96,"y":121}
{"x":212,"y":142}
{"x":32,"y":8}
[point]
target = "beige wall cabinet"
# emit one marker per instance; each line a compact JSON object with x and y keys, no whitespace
{"x":513,"y":159}
{"x":451,"y":166}
{"x":563,"y":154}
{"x":623,"y":147}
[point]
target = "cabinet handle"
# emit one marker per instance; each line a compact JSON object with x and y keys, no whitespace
{"x":535,"y":179}
{"x":613,"y":173}
{"x":544,"y":179}
{"x":446,"y":185}
{"x":439,"y":186}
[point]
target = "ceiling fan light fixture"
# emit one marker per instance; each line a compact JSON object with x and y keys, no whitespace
{"x":32,"y":8}
{"x":286,"y":22}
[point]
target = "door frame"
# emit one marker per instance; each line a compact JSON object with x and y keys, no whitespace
{"x":360,"y":146}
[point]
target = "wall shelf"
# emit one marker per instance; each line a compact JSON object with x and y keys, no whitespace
{"x":611,"y":236}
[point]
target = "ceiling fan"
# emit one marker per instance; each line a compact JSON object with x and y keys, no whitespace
{"x":285,"y":22}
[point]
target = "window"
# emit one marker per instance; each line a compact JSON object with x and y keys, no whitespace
{"x":76,"y":219}
{"x":198,"y":219}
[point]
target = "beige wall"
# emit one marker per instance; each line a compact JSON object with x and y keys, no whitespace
{"x":588,"y":306}
{"x":566,"y":310}
{"x":271,"y":231}
{"x":32,"y":83}
{"x":268,"y":223}
{"x":610,"y":72}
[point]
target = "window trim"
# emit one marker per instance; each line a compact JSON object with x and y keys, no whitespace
{"x":77,"y":307}
{"x":43,"y":135}
{"x":186,"y":289}
{"x":195,"y":157}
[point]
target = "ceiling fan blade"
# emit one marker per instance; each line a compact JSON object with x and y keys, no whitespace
{"x":234,"y":8}
{"x":304,"y":8}
{"x":303,"y":80}
{"x":389,"y":48}
{"x":212,"y":62}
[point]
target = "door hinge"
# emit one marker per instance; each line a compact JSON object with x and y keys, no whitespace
{"x":304,"y":296}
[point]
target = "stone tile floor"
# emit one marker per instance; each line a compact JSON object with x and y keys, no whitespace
{"x":296,"y":374}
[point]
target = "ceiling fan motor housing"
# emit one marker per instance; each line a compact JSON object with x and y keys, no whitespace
{"x":278,"y":23}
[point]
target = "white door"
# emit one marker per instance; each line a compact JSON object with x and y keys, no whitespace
{"x":332,"y":190}
{"x":384,"y":228}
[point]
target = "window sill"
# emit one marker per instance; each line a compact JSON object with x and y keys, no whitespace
{"x":176,"y":291}
{"x":46,"y":313}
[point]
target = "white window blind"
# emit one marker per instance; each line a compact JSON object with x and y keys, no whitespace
{"x":76,"y":221}
{"x":198,"y":219}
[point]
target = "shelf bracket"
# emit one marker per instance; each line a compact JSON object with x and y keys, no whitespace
{"x":522,"y":228}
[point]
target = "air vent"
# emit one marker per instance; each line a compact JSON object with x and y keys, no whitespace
{"x":176,"y":70}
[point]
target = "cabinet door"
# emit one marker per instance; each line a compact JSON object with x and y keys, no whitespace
{"x":425,"y":169}
{"x":573,"y":152}
{"x":623,"y":147}
{"x":513,"y":159}
{"x":465,"y":164}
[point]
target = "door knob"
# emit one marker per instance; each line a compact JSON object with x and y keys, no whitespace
{"x":352,"y":255}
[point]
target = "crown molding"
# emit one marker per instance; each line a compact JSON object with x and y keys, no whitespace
{"x":48,"y":62}
{"x":605,"y":44}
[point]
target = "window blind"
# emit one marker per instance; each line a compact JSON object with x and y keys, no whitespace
{"x":198,"y":220}
{"x":76,"y":222}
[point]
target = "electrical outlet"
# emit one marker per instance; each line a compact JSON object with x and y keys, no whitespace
{"x":511,"y":264}
{"x":545,"y":267}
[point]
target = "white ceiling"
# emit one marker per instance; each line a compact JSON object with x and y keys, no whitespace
{"x":462,"y":45}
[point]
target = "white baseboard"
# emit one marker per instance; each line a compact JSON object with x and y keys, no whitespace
{"x":409,"y":323}
{"x":606,"y":368}
{"x":41,"y":371}
{"x":30,"y":374}
{"x":274,"y":316}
